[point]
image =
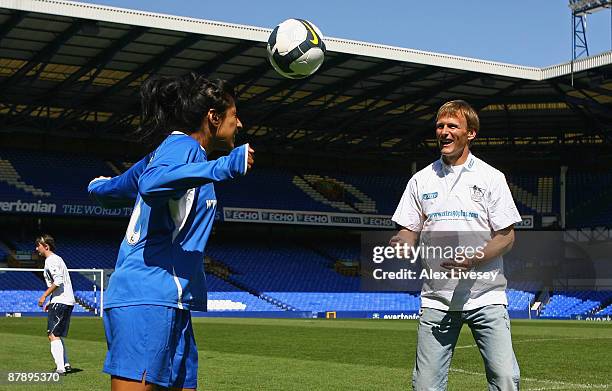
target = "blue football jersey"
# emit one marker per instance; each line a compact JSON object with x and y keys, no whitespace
{"x":161,"y":258}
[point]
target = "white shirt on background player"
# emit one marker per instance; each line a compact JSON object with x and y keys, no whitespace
{"x":57,"y":273}
{"x":473,"y":197}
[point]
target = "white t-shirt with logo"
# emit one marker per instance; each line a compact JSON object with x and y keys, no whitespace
{"x":459,"y":206}
{"x":56,"y":273}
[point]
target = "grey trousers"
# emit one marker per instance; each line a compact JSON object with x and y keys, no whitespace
{"x":437,"y":336}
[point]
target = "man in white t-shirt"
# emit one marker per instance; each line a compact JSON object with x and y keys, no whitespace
{"x":61,"y":304}
{"x":462,"y":202}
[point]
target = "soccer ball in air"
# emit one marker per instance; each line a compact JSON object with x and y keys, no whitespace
{"x":296,"y":49}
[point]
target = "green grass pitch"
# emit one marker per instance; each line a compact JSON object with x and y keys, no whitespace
{"x":318,"y":354}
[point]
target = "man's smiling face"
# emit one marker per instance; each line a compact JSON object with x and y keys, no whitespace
{"x":453,"y":136}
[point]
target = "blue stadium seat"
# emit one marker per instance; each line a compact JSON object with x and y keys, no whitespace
{"x":534,"y":193}
{"x":32,"y":168}
{"x":571,"y":304}
{"x":20,"y":291}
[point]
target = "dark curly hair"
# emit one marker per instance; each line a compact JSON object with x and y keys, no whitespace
{"x":181,"y":102}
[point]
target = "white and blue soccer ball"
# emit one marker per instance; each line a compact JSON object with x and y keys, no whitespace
{"x":296,"y":48}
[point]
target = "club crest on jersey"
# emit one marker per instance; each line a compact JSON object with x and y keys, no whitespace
{"x":211,"y":204}
{"x":430,"y":196}
{"x":477,"y":193}
{"x":133,"y":237}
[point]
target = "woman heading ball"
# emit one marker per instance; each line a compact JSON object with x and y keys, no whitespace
{"x":159,"y":275}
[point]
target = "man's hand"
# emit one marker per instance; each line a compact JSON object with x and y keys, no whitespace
{"x":41,"y":301}
{"x":465,"y":264}
{"x":397,"y":240}
{"x":250,"y":159}
{"x":405,"y":238}
{"x":500,"y":243}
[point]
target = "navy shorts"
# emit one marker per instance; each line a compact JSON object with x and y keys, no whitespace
{"x":153,"y":341}
{"x":58,"y":319}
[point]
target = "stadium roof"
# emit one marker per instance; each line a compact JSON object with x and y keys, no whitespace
{"x":74,"y":68}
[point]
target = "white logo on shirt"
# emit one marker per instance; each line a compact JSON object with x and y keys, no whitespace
{"x":132,"y":233}
{"x":211,"y":204}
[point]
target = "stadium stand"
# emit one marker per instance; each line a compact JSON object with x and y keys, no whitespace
{"x":248,"y":192}
{"x":349,"y":301}
{"x":303,"y":279}
{"x":281,"y":267}
{"x":3,"y":253}
{"x":373,"y":194}
{"x":339,"y":249}
{"x":20,"y":291}
{"x":86,"y":290}
{"x":35,"y":175}
{"x":605,"y":312}
{"x":280,"y":277}
{"x":589,"y":196}
{"x":266,"y":276}
{"x":226,"y":297}
{"x":80,"y":251}
{"x":21,"y":245}
{"x":519,"y":300}
{"x":10,"y":177}
{"x":23,"y":178}
{"x":535,"y":194}
{"x":87,"y":252}
{"x":570,"y":304}
{"x":384,"y":190}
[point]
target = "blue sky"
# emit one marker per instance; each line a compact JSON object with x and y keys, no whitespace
{"x":525,"y":32}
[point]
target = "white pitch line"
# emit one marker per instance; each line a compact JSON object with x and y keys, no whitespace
{"x":570,"y":387}
{"x":537,"y":340}
{"x":553,"y":383}
{"x":561,"y":387}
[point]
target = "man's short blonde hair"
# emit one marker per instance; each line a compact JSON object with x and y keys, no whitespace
{"x":456,"y":107}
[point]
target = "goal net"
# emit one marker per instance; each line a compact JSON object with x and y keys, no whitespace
{"x":20,"y":289}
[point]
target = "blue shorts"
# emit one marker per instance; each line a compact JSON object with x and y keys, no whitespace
{"x":58,"y":319}
{"x":153,"y":341}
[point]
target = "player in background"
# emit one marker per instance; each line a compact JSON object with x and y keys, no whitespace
{"x":159,"y":275}
{"x":61,"y":304}
{"x":462,"y":196}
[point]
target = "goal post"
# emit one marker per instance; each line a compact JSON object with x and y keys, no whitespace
{"x":20,"y":289}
